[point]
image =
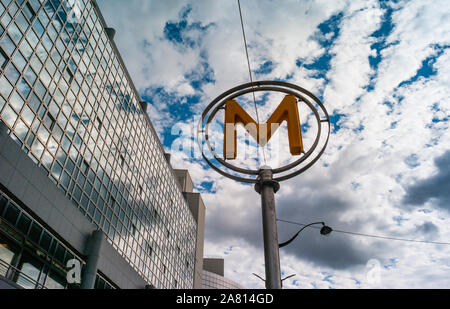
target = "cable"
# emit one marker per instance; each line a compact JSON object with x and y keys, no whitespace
{"x":250,"y":74}
{"x":372,"y":236}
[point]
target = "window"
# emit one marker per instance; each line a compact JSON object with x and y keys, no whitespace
{"x":85,"y":167}
{"x":49,"y":122}
{"x":99,"y":123}
{"x":122,"y":160}
{"x":70,"y":75}
{"x":29,"y":12}
{"x":3,"y":58}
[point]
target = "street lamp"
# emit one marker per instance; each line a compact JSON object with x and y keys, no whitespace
{"x":325,"y":230}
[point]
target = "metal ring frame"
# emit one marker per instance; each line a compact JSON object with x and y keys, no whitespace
{"x":275,"y":86}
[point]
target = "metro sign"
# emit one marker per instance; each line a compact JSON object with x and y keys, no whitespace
{"x":306,"y":154}
{"x":286,"y":111}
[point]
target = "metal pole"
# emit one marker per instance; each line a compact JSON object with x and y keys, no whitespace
{"x":93,"y":248}
{"x":267,"y":187}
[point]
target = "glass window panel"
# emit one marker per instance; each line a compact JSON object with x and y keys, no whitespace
{"x":65,"y":179}
{"x":5,"y":87}
{"x":30,"y":75}
{"x":29,"y":12}
{"x":57,"y":132}
{"x":26,"y":49}
{"x":13,"y":8}
{"x":30,"y":269}
{"x":12,"y":213}
{"x":57,"y":170}
{"x":47,"y":160}
{"x":17,"y":102}
{"x":15,"y":33}
{"x":34,"y":102}
{"x":24,"y":88}
{"x":24,"y":223}
{"x":9,"y":116}
{"x":55,"y":281}
{"x":52,"y":146}
{"x":59,"y":253}
{"x":7,"y":45}
{"x":19,"y":61}
{"x":46,"y":241}
{"x":28,"y":115}
{"x":6,"y":19}
{"x":21,"y":130}
{"x":38,"y":27}
{"x":3,"y":59}
{"x":36,"y":63}
{"x":43,"y":17}
{"x":22,"y":22}
{"x":37,"y":148}
{"x":12,"y":73}
{"x":35,"y":5}
{"x":48,"y":44}
{"x":7,"y":252}
{"x":32,"y":39}
{"x":35,"y":232}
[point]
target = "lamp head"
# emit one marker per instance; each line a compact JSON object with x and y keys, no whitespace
{"x":325,"y":230}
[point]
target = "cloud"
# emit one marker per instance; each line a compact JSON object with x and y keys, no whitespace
{"x":435,"y":188}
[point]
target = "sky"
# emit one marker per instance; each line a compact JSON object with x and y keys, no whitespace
{"x":381,"y":69}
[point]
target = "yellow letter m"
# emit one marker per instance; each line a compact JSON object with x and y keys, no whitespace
{"x":286,"y":111}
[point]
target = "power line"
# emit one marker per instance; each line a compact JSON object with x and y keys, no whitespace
{"x":372,"y":236}
{"x":250,"y":74}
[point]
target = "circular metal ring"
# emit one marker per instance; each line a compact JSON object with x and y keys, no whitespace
{"x":275,"y":86}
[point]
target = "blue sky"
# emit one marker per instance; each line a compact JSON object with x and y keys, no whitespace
{"x":381,"y":69}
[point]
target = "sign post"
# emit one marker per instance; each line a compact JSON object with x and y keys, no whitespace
{"x":265,"y":179}
{"x":267,"y":188}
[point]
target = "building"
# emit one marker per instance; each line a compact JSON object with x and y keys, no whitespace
{"x":83,"y":175}
{"x":213,"y":275}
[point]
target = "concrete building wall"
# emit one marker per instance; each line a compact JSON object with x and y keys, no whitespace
{"x":198,"y":210}
{"x":214,"y":265}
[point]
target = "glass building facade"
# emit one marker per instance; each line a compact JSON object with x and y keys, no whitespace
{"x":39,"y":258}
{"x":70,"y":105}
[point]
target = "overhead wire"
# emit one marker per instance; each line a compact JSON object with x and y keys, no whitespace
{"x":250,"y":73}
{"x":372,"y":236}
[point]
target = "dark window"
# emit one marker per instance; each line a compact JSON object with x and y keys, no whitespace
{"x":24,"y":224}
{"x":84,"y":167}
{"x":3,"y":202}
{"x":70,"y":74}
{"x":99,"y":123}
{"x":149,"y":250}
{"x":122,"y":160}
{"x":49,"y":121}
{"x":46,"y":241}
{"x":3,"y":58}
{"x":59,"y":253}
{"x":12,"y":213}
{"x":35,"y":232}
{"x":29,"y":12}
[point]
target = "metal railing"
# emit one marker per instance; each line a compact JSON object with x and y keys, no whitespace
{"x":15,"y":275}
